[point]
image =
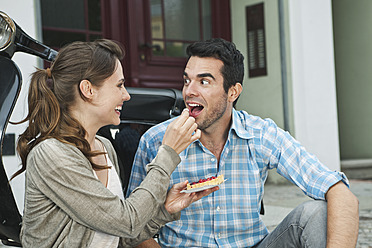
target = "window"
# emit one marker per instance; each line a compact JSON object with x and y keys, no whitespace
{"x":70,"y":20}
{"x":177,"y":23}
{"x":256,"y":40}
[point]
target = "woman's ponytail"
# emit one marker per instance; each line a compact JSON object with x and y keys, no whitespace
{"x":43,"y":114}
{"x":44,"y":109}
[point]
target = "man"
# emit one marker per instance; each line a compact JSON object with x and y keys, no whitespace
{"x":243,"y":148}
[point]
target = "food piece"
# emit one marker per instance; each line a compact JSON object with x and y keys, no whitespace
{"x":207,"y":181}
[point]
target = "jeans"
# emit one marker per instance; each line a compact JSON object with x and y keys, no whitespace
{"x":305,"y":226}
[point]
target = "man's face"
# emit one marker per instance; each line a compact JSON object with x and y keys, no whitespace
{"x":203,"y":91}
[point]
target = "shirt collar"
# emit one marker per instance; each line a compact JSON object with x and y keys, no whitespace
{"x":237,"y":125}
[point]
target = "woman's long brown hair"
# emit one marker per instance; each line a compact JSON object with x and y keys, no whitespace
{"x":52,"y":93}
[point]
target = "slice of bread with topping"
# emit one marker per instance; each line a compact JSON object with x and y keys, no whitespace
{"x":207,"y":181}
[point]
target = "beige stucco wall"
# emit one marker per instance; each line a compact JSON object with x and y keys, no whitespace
{"x":261,"y":95}
{"x":353,"y":53}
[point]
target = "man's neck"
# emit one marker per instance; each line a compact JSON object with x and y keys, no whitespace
{"x":214,"y":138}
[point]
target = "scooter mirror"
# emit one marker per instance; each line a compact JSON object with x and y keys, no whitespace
{"x":7,"y":31}
{"x":14,"y":39}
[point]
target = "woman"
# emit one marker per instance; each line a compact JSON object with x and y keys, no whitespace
{"x":73,"y":195}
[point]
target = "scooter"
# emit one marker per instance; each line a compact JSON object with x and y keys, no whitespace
{"x":12,"y":39}
{"x":146,"y":108}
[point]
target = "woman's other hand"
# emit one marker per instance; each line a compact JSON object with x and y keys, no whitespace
{"x":181,"y":132}
{"x":176,"y":201}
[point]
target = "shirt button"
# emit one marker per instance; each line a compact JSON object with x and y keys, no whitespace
{"x":218,"y":208}
{"x":219,"y":235}
{"x":213,"y":159}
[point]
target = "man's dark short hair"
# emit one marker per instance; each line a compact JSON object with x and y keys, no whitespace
{"x":233,"y":66}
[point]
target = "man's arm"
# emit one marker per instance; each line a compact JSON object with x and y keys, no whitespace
{"x":150,"y":243}
{"x":342,"y":217}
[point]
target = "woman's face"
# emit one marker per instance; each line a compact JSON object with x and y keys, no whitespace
{"x":110,"y":97}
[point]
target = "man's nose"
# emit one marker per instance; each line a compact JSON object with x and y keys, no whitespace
{"x":190,"y":89}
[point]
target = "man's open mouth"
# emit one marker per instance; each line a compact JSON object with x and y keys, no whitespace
{"x":195,"y":109}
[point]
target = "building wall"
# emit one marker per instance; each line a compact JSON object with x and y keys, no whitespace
{"x":308,"y":38}
{"x":261,"y":95}
{"x":353,"y":52}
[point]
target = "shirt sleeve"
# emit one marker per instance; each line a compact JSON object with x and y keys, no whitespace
{"x":146,"y":152}
{"x":64,"y":176}
{"x":297,"y":165}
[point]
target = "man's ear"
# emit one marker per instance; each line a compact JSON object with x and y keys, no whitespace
{"x":234,"y":92}
{"x":86,"y":89}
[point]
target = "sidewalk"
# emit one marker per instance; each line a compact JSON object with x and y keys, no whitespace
{"x":280,"y":199}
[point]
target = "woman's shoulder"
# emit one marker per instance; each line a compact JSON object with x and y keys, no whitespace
{"x":52,"y":147}
{"x":51,"y":154}
{"x":51,"y":143}
{"x":45,"y":145}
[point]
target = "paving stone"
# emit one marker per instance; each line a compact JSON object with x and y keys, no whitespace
{"x":281,"y":198}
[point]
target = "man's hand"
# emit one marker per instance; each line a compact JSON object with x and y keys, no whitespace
{"x":176,"y":201}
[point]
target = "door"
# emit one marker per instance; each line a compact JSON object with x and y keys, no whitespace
{"x":157,"y":32}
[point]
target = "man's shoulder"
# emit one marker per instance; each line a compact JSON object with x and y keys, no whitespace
{"x":153,"y":137}
{"x":158,"y":130}
{"x":251,"y":122}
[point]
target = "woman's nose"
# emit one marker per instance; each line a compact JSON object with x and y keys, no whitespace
{"x":126,"y":96}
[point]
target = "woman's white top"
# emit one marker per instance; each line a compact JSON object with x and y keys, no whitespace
{"x":101,"y":239}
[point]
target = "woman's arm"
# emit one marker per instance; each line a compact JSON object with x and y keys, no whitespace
{"x":64,"y":175}
{"x":66,"y":178}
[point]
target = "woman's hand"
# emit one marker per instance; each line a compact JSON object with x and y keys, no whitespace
{"x":180,"y":133}
{"x":176,"y":201}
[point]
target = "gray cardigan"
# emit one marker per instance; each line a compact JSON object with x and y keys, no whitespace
{"x":65,"y":202}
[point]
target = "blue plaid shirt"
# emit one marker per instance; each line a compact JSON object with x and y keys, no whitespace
{"x":230,"y":217}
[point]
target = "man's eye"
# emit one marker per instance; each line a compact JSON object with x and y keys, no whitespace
{"x":204,"y":82}
{"x":186,"y":81}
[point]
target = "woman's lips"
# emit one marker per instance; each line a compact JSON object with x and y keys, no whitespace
{"x":118,"y":109}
